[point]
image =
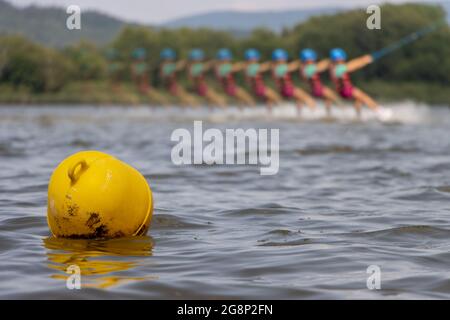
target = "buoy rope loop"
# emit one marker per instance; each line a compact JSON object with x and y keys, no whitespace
{"x":72,"y":169}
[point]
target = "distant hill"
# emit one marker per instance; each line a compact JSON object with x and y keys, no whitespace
{"x":246,"y":21}
{"x":47,"y":25}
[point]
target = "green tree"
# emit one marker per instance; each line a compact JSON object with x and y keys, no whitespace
{"x":28,"y":64}
{"x":88,"y":61}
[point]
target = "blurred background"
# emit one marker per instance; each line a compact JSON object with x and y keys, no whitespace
{"x":42,"y":61}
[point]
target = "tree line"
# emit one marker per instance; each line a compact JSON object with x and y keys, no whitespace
{"x":41,"y":69}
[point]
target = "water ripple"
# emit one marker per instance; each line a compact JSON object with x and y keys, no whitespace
{"x":349,"y":194}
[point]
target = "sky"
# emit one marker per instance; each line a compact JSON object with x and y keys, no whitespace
{"x":159,"y":11}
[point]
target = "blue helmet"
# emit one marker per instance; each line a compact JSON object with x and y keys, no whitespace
{"x":139,"y":53}
{"x":308,"y":55}
{"x":168,"y":54}
{"x":196,"y":55}
{"x":279,"y":54}
{"x":252,"y":54}
{"x":337,"y":54}
{"x":224,"y":54}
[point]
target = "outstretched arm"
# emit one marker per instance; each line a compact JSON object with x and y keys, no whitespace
{"x":238,"y":66}
{"x":295,"y":65}
{"x":359,"y":63}
{"x":180,"y":65}
{"x":323,"y":65}
{"x":209,"y":65}
{"x":266,"y":66}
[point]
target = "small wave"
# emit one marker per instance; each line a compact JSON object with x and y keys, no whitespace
{"x":348,"y":149}
{"x":266,"y":209}
{"x":407,"y":235}
{"x":325,"y":150}
{"x":23,"y":223}
{"x":81,"y":143}
{"x":283,"y":232}
{"x":7,"y":150}
{"x":293,"y":243}
{"x":167,"y":221}
{"x":6,"y":242}
{"x":421,"y":194}
{"x":283,"y":237}
{"x":162,"y":176}
{"x":439,"y":167}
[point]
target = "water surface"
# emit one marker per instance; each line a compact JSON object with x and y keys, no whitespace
{"x":348,"y":194}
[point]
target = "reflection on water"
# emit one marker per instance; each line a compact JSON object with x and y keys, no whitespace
{"x":95,"y":258}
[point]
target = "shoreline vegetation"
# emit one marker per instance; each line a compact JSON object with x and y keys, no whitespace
{"x":84,"y":73}
{"x":104,"y":93}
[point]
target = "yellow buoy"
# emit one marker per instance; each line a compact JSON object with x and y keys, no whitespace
{"x":94,"y":195}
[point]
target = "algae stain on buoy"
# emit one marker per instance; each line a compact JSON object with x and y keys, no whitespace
{"x":94,"y":195}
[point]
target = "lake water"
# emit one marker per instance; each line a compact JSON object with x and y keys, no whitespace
{"x":348,"y":195}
